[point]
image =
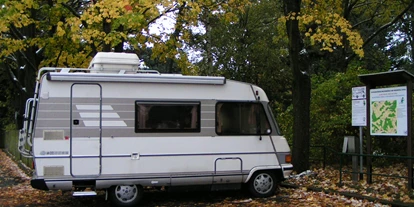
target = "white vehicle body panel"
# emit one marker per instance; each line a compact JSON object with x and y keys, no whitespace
{"x":85,"y":130}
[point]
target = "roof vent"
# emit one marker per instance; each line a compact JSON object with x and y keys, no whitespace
{"x":111,"y":62}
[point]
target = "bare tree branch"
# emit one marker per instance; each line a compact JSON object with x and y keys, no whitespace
{"x":382,"y":28}
{"x":73,"y":11}
{"x":362,"y":22}
{"x":385,"y":26}
{"x":15,"y":32}
{"x":172,"y":9}
{"x":15,"y":80}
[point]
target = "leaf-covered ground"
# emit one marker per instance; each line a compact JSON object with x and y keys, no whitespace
{"x":384,"y":189}
{"x":15,"y":190}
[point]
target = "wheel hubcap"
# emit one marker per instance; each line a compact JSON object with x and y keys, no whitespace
{"x":263,"y":183}
{"x":126,"y":193}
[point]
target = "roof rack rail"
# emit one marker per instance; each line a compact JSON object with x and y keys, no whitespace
{"x":143,"y":78}
{"x":148,"y":72}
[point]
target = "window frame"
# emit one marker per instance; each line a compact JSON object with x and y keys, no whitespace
{"x":240,"y":134}
{"x":197,"y":129}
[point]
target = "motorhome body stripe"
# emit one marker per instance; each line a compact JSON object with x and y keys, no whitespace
{"x":157,"y":175}
{"x":159,"y":155}
{"x":123,"y":132}
{"x":94,"y":107}
{"x":96,"y":115}
{"x":104,"y":115}
{"x":105,"y":123}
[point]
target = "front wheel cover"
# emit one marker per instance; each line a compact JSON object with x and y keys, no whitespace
{"x":125,"y":195}
{"x":262,"y":184}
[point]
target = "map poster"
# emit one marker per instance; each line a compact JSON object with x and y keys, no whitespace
{"x":389,"y":111}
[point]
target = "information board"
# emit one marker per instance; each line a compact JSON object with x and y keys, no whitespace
{"x":389,"y":111}
{"x":359,"y":106}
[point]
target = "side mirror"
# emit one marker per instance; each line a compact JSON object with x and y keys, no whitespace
{"x":268,"y":131}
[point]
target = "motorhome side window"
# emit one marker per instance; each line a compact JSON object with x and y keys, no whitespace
{"x":240,"y":118}
{"x":167,"y":117}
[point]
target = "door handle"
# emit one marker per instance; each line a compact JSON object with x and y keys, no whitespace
{"x":135,"y":156}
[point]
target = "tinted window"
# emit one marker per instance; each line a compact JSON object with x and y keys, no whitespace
{"x":167,"y":117}
{"x":238,"y":118}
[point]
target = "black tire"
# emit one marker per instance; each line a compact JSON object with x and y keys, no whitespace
{"x":262,"y":184}
{"x":125,"y":195}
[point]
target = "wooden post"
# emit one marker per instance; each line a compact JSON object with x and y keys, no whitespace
{"x":368,"y":134}
{"x":409,"y":140}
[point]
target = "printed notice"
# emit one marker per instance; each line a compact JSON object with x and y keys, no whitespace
{"x":359,"y":93}
{"x":389,"y":111}
{"x":359,"y":112}
{"x":359,"y":106}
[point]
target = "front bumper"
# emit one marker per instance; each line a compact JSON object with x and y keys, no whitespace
{"x":287,"y":170}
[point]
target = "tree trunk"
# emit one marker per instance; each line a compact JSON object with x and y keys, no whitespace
{"x":209,"y":53}
{"x":411,"y":38}
{"x":301,"y":90}
{"x":107,"y":29}
{"x":120,"y":46}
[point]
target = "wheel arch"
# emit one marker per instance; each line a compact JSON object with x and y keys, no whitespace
{"x":277,"y":170}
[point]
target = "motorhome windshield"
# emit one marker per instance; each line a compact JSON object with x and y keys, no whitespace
{"x":241,"y":118}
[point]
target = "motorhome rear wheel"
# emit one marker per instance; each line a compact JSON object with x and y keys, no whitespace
{"x":125,"y":195}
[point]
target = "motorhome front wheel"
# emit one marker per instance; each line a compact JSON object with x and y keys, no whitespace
{"x":262,"y":184}
{"x":125,"y":195}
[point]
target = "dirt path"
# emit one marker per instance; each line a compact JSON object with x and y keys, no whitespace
{"x":15,"y":191}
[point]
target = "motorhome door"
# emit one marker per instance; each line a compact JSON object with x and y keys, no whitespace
{"x":85,"y":130}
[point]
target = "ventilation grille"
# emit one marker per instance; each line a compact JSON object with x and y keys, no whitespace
{"x":53,"y":135}
{"x":53,"y":171}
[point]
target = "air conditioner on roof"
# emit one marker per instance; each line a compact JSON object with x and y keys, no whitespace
{"x":111,"y":62}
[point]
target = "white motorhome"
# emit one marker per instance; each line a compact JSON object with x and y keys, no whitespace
{"x":114,"y":128}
